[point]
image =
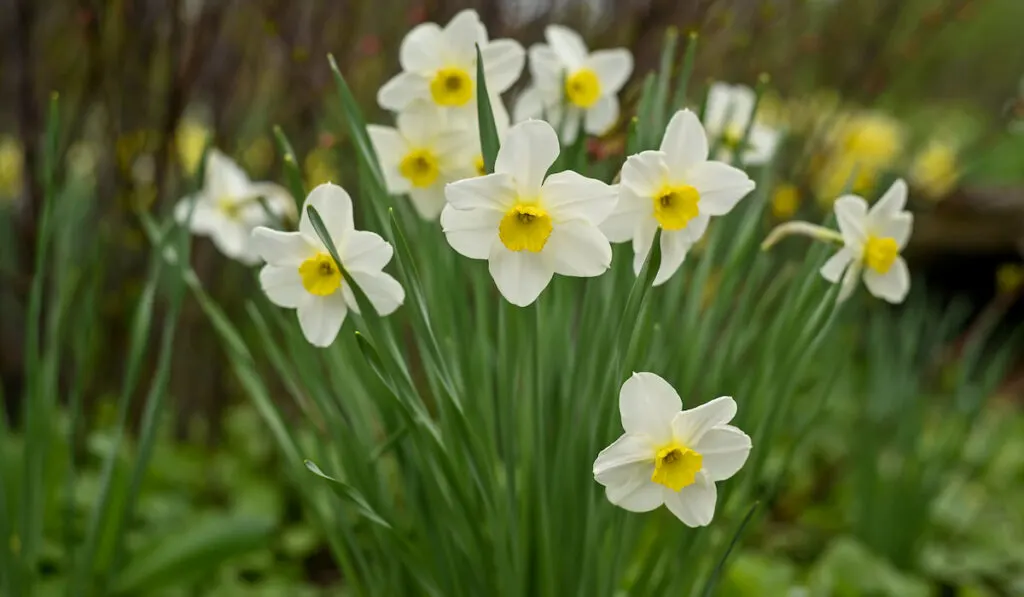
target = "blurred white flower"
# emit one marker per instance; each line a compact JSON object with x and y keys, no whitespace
{"x":423,"y":154}
{"x":571,"y":84}
{"x":729,"y":111}
{"x":677,"y":189}
{"x":439,"y":66}
{"x":228,"y":207}
{"x":668,"y":455}
{"x":301,"y":274}
{"x":872,"y":242}
{"x":527,"y":227}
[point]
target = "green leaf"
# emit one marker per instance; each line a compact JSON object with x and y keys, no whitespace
{"x":679,"y":100}
{"x":489,"y":141}
{"x":351,"y":495}
{"x":709,"y":587}
{"x":292,"y":174}
{"x":356,"y":125}
{"x":185,"y":555}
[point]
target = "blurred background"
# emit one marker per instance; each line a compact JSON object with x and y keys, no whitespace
{"x":930,"y":88}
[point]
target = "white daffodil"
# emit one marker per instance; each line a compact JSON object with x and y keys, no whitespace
{"x":423,"y":154}
{"x":730,"y":108}
{"x":528,"y":227}
{"x":439,"y":66}
{"x":301,"y":274}
{"x":228,"y":207}
{"x":571,"y":84}
{"x":677,"y":189}
{"x":668,"y":455}
{"x":872,"y":242}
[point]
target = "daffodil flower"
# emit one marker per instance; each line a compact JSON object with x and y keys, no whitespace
{"x":730,"y":109}
{"x":872,"y":242}
{"x":439,"y":66}
{"x":668,"y":455}
{"x":526,"y":226}
{"x":228,"y":207}
{"x":571,"y":84}
{"x":301,"y":274}
{"x":676,"y":189}
{"x":423,"y":154}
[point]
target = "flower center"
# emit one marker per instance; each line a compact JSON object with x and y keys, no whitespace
{"x":583,"y":88}
{"x":320,"y":275}
{"x":478,"y":163}
{"x":451,"y":87}
{"x":880,"y":253}
{"x":676,"y":466}
{"x":420,"y":167}
{"x":525,"y":228}
{"x":732,"y":138}
{"x":674,"y":207}
{"x":230,"y":208}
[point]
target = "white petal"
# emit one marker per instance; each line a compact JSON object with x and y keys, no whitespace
{"x":685,"y":144}
{"x":836,"y":265}
{"x":891,"y":203}
{"x":420,"y":124}
{"x":634,"y":491}
{"x":567,"y":45}
{"x":602,"y":115}
{"x":547,"y":70}
{"x":204,"y":217}
{"x":383,"y":291}
{"x":693,"y":504}
{"x":421,"y":48}
{"x":647,"y":404}
{"x":850,"y":279}
{"x":761,"y":145}
{"x":495,"y":192}
{"x":320,"y":317}
{"x":728,"y":106}
{"x":223,"y":178}
{"x":530,"y":148}
{"x":724,"y":451}
{"x":282,"y":285}
{"x":402,"y":90}
{"x":520,"y":275}
{"x":891,"y":286}
{"x":644,"y":174}
{"x":335,"y":208}
{"x":689,"y":426}
{"x":674,"y":246}
{"x":279,"y":200}
{"x":643,"y":239}
{"x":503,"y":63}
{"x":612,"y":68}
{"x":428,"y":201}
{"x":851,"y":214}
{"x":232,"y":239}
{"x":897,"y":227}
{"x":471,"y":232}
{"x":462,"y":33}
{"x":626,"y":451}
{"x":390,"y":148}
{"x":577,"y":248}
{"x":569,"y":121}
{"x":572,"y":196}
{"x":720,"y":186}
{"x":696,"y":228}
{"x":528,"y":105}
{"x":629,"y":211}
{"x":365,"y":251}
{"x":281,"y":248}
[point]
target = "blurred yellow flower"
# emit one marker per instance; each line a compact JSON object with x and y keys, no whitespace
{"x":1009,"y":278}
{"x":785,"y":201}
{"x":191,"y":139}
{"x":935,"y":170}
{"x":258,"y":156}
{"x":319,"y":167}
{"x":845,"y":175}
{"x":870,"y":137}
{"x":12,"y":161}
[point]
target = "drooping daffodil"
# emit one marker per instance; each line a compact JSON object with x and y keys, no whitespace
{"x":571,"y":84}
{"x":228,"y":207}
{"x":872,"y":241}
{"x":422,"y":154}
{"x":674,"y":188}
{"x":730,"y":111}
{"x":301,"y":274}
{"x":668,"y":455}
{"x":439,"y":66}
{"x":526,"y":226}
